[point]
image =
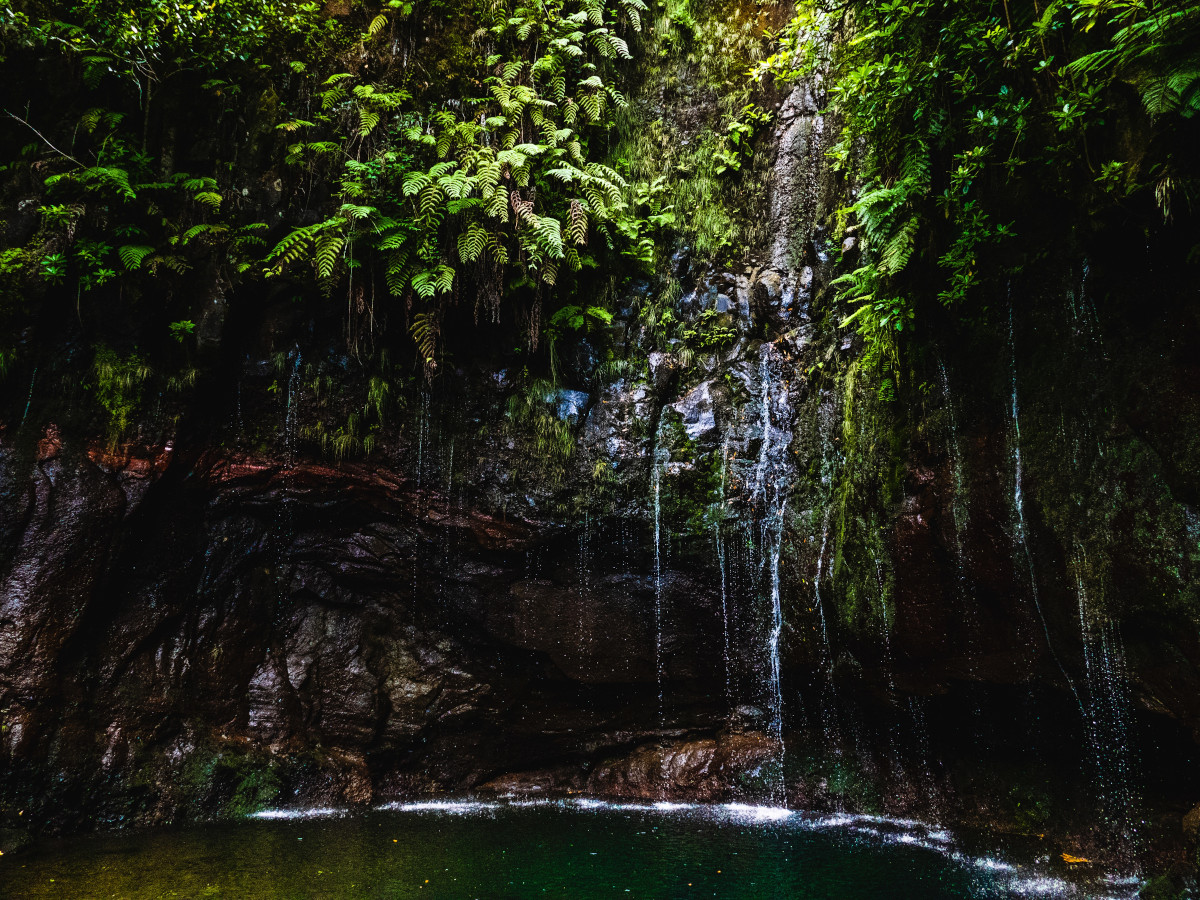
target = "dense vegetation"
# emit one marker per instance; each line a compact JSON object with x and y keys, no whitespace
{"x":401,"y":153}
{"x":163,"y":165}
{"x":982,"y":133}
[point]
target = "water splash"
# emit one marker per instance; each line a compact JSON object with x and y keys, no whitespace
{"x":1106,"y":722}
{"x":1014,"y":877}
{"x":291,"y":419}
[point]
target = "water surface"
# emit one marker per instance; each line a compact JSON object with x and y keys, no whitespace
{"x":574,"y":850}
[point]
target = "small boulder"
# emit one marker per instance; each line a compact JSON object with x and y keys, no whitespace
{"x":568,"y":405}
{"x":696,"y":408}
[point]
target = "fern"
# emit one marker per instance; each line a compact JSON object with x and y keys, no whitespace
{"x":132,"y":255}
{"x":368,"y":119}
{"x":329,"y":245}
{"x":211,"y":199}
{"x":472,"y":242}
{"x":549,"y":233}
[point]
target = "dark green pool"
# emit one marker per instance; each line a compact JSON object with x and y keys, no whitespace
{"x":570,"y":850}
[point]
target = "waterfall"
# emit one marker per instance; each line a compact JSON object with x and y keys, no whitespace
{"x":768,"y":494}
{"x":719,"y":542}
{"x":29,"y":399}
{"x":1106,"y":678}
{"x":829,"y":724}
{"x":775,"y":684}
{"x":422,"y":434}
{"x":958,"y":507}
{"x":584,"y":581}
{"x":656,"y":467}
{"x":720,"y":546}
{"x":1106,"y":720}
{"x":1019,"y":530}
{"x":764,"y":453}
{"x":241,"y":425}
{"x":292,"y":412}
{"x":959,"y":513}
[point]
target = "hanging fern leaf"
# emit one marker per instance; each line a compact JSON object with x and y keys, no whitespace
{"x":292,"y":247}
{"x":472,"y":242}
{"x":368,"y":119}
{"x":194,"y":232}
{"x":577,"y":224}
{"x":549,"y":232}
{"x":329,"y":245}
{"x":424,"y":331}
{"x":132,"y":255}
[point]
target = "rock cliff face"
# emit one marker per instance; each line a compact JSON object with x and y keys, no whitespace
{"x":758,"y":568}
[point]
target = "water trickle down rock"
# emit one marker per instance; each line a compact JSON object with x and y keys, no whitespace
{"x":769,"y":494}
{"x":1106,"y":698}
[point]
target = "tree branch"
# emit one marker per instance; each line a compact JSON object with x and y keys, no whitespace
{"x":46,"y":140}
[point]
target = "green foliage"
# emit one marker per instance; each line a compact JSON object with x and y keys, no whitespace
{"x":739,"y":137}
{"x":1155,"y":46}
{"x":350,"y":414}
{"x":959,"y":119}
{"x":710,"y":332}
{"x":147,"y":42}
{"x":532,"y":415}
{"x":702,"y":50}
{"x":119,"y":383}
{"x":572,"y":319}
{"x":54,"y":267}
{"x":497,"y":189}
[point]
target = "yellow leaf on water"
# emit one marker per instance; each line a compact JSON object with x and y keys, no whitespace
{"x":1074,"y":860}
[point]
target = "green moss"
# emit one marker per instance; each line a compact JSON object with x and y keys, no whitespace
{"x":239,"y":783}
{"x":1031,"y":808}
{"x":868,"y":486}
{"x":694,"y":66}
{"x":692,"y":488}
{"x":256,"y":787}
{"x":119,"y":384}
{"x":840,"y":774}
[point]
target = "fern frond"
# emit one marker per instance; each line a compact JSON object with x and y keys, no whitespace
{"x":329,"y":245}
{"x":132,"y":255}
